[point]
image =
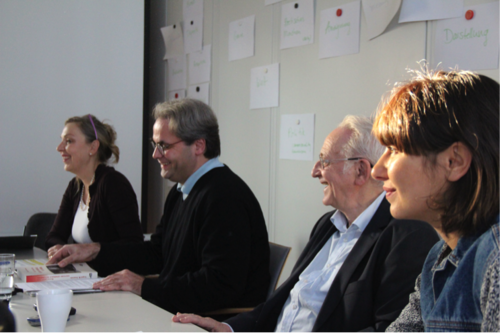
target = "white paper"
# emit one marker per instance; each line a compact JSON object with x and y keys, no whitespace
{"x":378,"y":15}
{"x":468,"y":44}
{"x":176,"y":73}
{"x":199,"y":91}
{"x":199,"y":65}
{"x":193,"y":34}
{"x":297,"y":23}
{"x":339,"y":35}
{"x":270,"y":2}
{"x":297,"y":137}
{"x":176,"y":94}
{"x":265,"y":86}
{"x":73,"y":284}
{"x":174,"y":43}
{"x":241,"y":38}
{"x":192,"y":8}
{"x":423,"y":10}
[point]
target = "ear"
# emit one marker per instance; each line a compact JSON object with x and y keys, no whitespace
{"x":363,"y":172}
{"x":199,"y":146}
{"x":456,"y":159}
{"x":94,"y":147}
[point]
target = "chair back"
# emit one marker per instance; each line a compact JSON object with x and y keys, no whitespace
{"x":40,"y":224}
{"x":278,"y":256}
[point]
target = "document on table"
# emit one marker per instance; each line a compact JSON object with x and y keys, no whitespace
{"x":73,"y":284}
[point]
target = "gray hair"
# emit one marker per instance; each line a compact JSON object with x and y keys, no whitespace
{"x":361,"y":142}
{"x":190,"y":120}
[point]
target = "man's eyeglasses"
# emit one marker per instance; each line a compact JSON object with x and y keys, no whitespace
{"x":325,"y":163}
{"x":162,"y":146}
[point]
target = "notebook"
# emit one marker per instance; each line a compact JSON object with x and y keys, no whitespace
{"x":17,"y":242}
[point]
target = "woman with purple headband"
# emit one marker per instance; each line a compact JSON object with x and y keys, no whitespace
{"x":99,"y":204}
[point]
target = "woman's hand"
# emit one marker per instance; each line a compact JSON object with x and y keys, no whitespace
{"x":53,"y":250}
{"x":209,"y":324}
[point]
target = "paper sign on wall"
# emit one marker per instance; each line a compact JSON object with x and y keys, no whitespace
{"x":176,"y":73}
{"x":199,"y":65}
{"x":199,"y":91}
{"x":297,"y":137}
{"x":174,"y":43}
{"x":176,"y":94}
{"x":264,"y":86}
{"x":423,"y":10}
{"x":297,"y":23}
{"x":378,"y":15}
{"x":193,"y":33}
{"x":192,"y":8}
{"x":339,"y":30}
{"x":241,"y":38}
{"x":470,"y":44}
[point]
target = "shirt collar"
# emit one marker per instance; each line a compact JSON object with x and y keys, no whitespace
{"x":340,"y":222}
{"x":191,"y":181}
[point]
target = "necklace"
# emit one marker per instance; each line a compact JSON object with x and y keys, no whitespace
{"x":85,"y":205}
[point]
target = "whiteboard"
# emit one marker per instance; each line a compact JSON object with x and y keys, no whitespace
{"x":62,"y":58}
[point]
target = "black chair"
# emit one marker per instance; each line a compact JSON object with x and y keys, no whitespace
{"x":40,"y":224}
{"x":277,"y":259}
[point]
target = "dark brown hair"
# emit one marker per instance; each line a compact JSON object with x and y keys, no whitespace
{"x":105,"y":134}
{"x":431,"y":112}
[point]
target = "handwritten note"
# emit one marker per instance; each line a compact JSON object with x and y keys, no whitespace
{"x":199,"y":91}
{"x":176,"y":94}
{"x":339,"y":30}
{"x":192,"y":8}
{"x":423,"y":10}
{"x":193,"y":34}
{"x":199,"y":66}
{"x":174,"y":43}
{"x":264,"y":86}
{"x":241,"y":38}
{"x":297,"y":137}
{"x":297,"y":23}
{"x":378,"y":15}
{"x":176,"y":73}
{"x":468,"y":44}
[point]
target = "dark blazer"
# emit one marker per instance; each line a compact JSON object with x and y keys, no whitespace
{"x":113,"y":211}
{"x":373,"y":284}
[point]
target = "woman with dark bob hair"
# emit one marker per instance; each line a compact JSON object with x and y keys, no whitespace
{"x":441,"y":166}
{"x":99,"y":204}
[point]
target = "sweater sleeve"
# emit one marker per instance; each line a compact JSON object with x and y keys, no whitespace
{"x":121,"y":202}
{"x":61,"y":229}
{"x":223,"y":252}
{"x":410,"y":319}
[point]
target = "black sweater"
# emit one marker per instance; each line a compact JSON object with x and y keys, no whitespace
{"x":211,"y":250}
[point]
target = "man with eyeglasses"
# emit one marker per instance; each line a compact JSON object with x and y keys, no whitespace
{"x":359,"y":266}
{"x":211,"y":248}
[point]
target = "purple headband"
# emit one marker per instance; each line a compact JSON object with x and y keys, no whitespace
{"x":95,"y":131}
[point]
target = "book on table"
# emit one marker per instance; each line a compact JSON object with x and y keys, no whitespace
{"x":35,"y":270}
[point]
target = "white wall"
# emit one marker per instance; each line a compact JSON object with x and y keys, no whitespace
{"x":330,"y":88}
{"x":61,"y":58}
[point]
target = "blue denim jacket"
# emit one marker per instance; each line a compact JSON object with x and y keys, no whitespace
{"x":451,"y":284}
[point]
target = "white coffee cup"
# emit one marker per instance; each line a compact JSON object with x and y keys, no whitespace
{"x":53,"y":308}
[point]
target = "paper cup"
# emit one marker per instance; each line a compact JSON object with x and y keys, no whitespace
{"x":53,"y":308}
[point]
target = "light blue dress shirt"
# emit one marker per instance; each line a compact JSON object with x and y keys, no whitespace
{"x":307,"y":296}
{"x":191,"y":181}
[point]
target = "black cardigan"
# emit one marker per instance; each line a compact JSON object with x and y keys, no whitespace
{"x":211,"y":250}
{"x":113,"y":211}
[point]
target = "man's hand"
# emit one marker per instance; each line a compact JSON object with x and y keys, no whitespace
{"x":209,"y":324}
{"x":69,"y":254}
{"x":53,"y":250}
{"x":124,"y":280}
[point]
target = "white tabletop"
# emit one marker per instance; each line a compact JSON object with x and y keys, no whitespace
{"x":101,"y":312}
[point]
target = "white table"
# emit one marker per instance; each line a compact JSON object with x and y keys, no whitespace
{"x":101,"y":312}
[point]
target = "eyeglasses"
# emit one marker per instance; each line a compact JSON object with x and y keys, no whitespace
{"x":162,"y":146}
{"x":325,"y":163}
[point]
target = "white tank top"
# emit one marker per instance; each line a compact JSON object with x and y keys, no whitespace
{"x":80,"y":231}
